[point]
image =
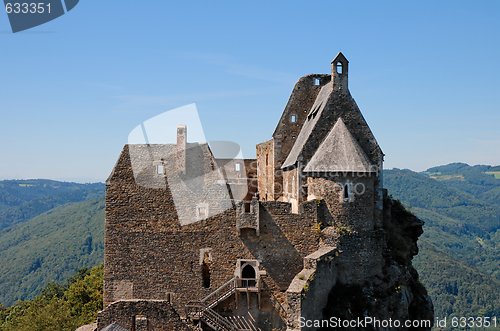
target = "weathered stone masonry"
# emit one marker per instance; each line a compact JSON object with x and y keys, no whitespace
{"x":197,"y":242}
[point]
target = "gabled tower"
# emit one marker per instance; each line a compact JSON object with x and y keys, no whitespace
{"x":340,"y":71}
{"x":335,"y":144}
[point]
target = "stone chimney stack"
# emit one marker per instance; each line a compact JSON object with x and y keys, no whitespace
{"x":340,"y":70}
{"x":181,"y":147}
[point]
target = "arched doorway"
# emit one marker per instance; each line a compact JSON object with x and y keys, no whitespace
{"x":248,"y":271}
{"x":248,"y":276}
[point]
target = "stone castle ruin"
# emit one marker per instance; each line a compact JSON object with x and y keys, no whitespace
{"x":305,"y":232}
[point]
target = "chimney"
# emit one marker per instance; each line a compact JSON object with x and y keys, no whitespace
{"x":181,"y":147}
{"x":340,"y":69}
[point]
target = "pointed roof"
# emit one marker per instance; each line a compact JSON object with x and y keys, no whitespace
{"x":340,"y":57}
{"x":339,"y":152}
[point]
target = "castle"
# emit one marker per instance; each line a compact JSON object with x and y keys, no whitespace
{"x":305,"y":232}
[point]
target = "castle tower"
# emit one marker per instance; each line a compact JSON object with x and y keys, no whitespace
{"x":335,"y":151}
{"x":341,"y":174}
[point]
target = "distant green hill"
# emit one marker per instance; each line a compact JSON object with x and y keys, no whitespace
{"x":458,"y":260}
{"x":50,"y":247}
{"x":21,"y":200}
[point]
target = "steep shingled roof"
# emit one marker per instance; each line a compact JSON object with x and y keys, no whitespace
{"x":339,"y":152}
{"x":312,"y":117}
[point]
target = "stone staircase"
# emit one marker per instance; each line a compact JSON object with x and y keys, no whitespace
{"x":202,"y":311}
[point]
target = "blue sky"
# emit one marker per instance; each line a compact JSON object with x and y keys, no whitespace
{"x":425,"y":74}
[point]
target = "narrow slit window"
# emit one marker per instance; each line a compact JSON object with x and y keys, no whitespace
{"x":205,"y":274}
{"x":293,"y":118}
{"x":237,"y":167}
{"x":346,"y":192}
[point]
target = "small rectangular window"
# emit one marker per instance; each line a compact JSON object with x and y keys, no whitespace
{"x":293,"y":118}
{"x":317,"y":81}
{"x":237,"y":167}
{"x":201,"y":212}
{"x":160,"y":169}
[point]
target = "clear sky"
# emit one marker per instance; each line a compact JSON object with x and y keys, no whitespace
{"x":425,"y":74}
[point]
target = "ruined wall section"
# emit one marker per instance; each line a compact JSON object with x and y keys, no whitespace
{"x":307,"y":295}
{"x":291,"y":189}
{"x":293,"y":117}
{"x":266,"y":171}
{"x":149,"y":255}
{"x":141,"y":315}
{"x":300,"y":102}
{"x":355,"y":230}
{"x":285,"y":238}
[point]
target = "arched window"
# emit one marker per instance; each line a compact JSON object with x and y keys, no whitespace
{"x":248,"y":272}
{"x":339,"y":68}
{"x":346,"y":192}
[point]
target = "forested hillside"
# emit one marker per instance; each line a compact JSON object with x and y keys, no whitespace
{"x":59,"y":307}
{"x":458,"y":260}
{"x":50,"y":247}
{"x":21,"y":200}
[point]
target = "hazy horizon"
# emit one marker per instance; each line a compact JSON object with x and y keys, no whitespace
{"x":84,"y":181}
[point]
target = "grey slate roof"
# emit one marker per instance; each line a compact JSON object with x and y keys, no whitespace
{"x":312,"y":118}
{"x":339,"y":152}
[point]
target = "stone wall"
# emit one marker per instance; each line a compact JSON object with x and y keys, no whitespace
{"x":300,"y":102}
{"x":352,"y":211}
{"x":150,"y":256}
{"x":140,"y":315}
{"x":241,"y":176}
{"x":292,"y":188}
{"x":265,"y":170}
{"x":307,"y":294}
{"x":285,"y":239}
